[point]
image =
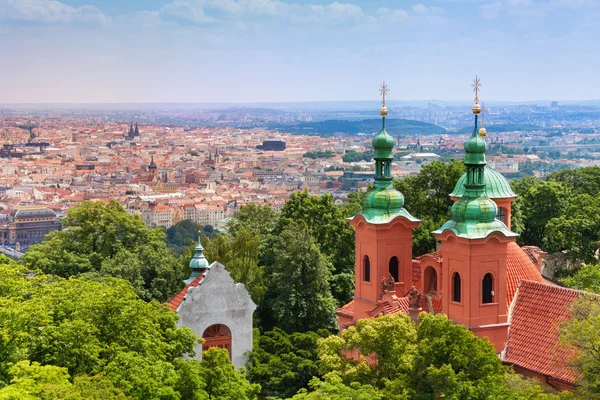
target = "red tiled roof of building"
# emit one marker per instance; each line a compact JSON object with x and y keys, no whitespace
{"x":175,"y":301}
{"x":533,"y":337}
{"x":518,"y":267}
{"x":346,"y":310}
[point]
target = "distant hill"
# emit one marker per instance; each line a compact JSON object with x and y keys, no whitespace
{"x":505,"y":128}
{"x":395,"y":127}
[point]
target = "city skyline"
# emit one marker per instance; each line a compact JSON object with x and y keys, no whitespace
{"x":270,"y":51}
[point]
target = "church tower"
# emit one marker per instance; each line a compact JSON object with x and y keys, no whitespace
{"x":152,"y":168}
{"x":383,"y":231}
{"x":474,"y":248}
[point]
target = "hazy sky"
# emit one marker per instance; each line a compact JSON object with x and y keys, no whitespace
{"x":302,"y":50}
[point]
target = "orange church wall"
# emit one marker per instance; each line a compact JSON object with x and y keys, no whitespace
{"x":473,"y":259}
{"x":381,"y":242}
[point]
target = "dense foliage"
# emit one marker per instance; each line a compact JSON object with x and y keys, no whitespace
{"x":103,"y":240}
{"x":184,"y":233}
{"x":561,"y":213}
{"x":355,"y":156}
{"x":85,"y":339}
{"x":284,"y":363}
{"x":319,"y":154}
{"x":434,"y":359}
{"x":581,"y":332}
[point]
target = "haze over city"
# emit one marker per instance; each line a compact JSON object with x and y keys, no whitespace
{"x":110,"y":51}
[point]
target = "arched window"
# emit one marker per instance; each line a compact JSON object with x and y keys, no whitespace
{"x":394,"y":268}
{"x":456,"y":287}
{"x":217,"y":335}
{"x":366,"y":269}
{"x":430,"y":285}
{"x":488,"y":289}
{"x":501,"y":216}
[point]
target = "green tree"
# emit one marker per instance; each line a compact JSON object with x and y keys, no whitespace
{"x":298,"y":296}
{"x":542,"y":202}
{"x":98,"y":238}
{"x":283,"y":363}
{"x":32,"y":381}
{"x":389,"y":343}
{"x":586,"y":278}
{"x":577,"y":229}
{"x":255,"y":217}
{"x":581,"y":332}
{"x":331,"y":232}
{"x":223,"y":382}
{"x":182,"y":234}
{"x":239,"y":253}
{"x":580,"y":181}
{"x":401,"y":360}
{"x":452,"y":362}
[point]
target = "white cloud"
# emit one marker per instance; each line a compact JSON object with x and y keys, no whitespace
{"x":394,"y":15}
{"x":202,"y":11}
{"x":184,"y":11}
{"x":422,"y":9}
{"x":49,"y":11}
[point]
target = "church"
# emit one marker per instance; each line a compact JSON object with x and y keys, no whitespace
{"x":479,"y":276}
{"x":216,"y":308}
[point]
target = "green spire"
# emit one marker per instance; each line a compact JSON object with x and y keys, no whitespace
{"x":383,"y":202}
{"x":198,"y":263}
{"x":474,"y":214}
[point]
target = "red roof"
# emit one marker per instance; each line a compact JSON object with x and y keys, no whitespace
{"x":347,"y":309}
{"x":175,"y":301}
{"x":519,"y":267}
{"x":533,"y":336}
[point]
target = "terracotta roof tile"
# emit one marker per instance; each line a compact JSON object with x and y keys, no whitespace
{"x":533,"y":338}
{"x":175,"y":301}
{"x":346,"y":310}
{"x":518,"y":267}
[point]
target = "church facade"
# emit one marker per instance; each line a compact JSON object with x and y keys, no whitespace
{"x":479,"y":277}
{"x":216,"y":308}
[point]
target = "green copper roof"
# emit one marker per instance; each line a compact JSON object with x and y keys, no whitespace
{"x":383,"y":202}
{"x":198,"y":263}
{"x":474,"y":213}
{"x":496,"y":185}
{"x":383,"y":144}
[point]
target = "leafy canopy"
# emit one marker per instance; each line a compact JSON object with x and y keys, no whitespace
{"x":105,"y":240}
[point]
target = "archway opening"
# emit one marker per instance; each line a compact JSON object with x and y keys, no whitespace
{"x":217,"y":335}
{"x":393,"y":268}
{"x":456,"y":287}
{"x":430,"y":280}
{"x":487,"y":289}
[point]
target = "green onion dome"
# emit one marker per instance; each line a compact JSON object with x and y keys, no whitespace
{"x":383,"y":143}
{"x":198,"y":262}
{"x":496,"y":185}
{"x":382,"y":200}
{"x":476,"y":209}
{"x":475,"y":148}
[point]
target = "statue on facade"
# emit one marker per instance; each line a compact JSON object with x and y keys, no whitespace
{"x":414,"y":298}
{"x":387,"y":285}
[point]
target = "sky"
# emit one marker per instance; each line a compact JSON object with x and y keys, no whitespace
{"x":122,"y":51}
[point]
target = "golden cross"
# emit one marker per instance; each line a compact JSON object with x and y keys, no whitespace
{"x":476,"y":85}
{"x":383,"y":90}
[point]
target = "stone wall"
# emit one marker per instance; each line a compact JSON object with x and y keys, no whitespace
{"x":219,"y":300}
